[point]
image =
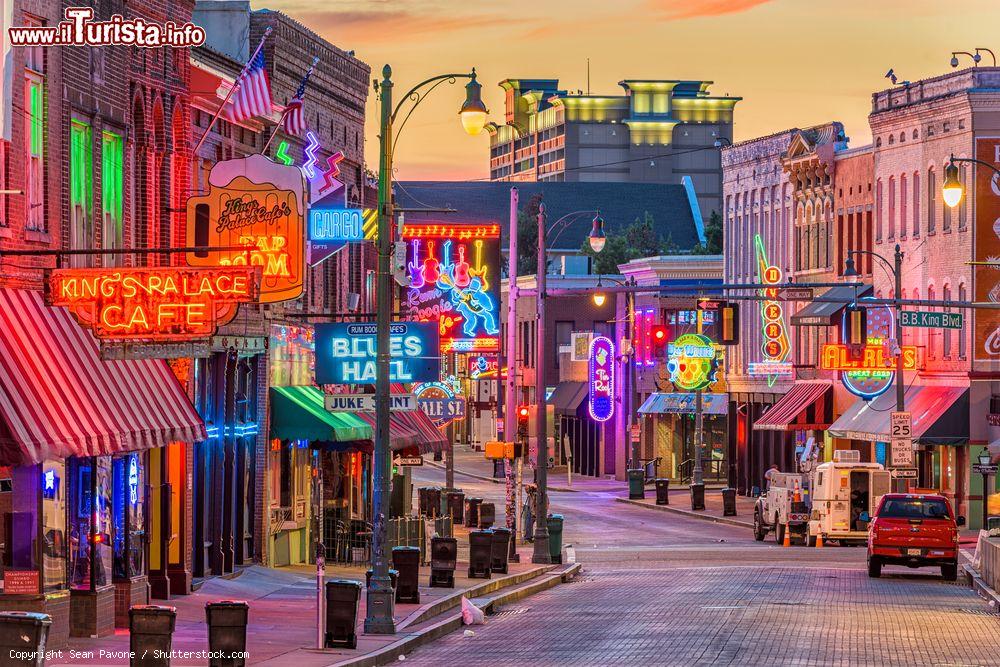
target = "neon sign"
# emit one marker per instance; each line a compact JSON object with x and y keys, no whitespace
{"x":440,"y":400}
{"x":346,"y":352}
{"x":153,"y":304}
{"x":133,"y":479}
{"x":776,"y":346}
{"x":771,"y":368}
{"x":453,"y":275}
{"x":692,"y":361}
{"x":331,"y":225}
{"x":871,"y":358}
{"x":872,"y":372}
{"x":309,"y":165}
{"x":256,"y":203}
{"x":602,"y":379}
{"x":645,"y":320}
{"x":483,"y":366}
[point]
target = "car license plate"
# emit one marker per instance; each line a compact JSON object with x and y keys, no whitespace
{"x":913,"y":552}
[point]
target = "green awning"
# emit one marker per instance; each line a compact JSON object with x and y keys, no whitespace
{"x":297,"y":413}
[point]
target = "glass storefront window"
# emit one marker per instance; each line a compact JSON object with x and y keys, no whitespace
{"x":91,"y":531}
{"x":128,"y":505}
{"x":53,"y":476}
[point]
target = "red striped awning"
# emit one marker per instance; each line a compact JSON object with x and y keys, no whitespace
{"x":430,"y":437}
{"x":791,"y":412}
{"x":401,"y":436}
{"x":59,"y":399}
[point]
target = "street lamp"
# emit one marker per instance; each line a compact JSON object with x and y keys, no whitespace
{"x":952,"y":190}
{"x":380,"y":602}
{"x":722,"y":142}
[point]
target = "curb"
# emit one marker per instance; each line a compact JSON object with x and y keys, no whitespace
{"x":984,"y":590}
{"x":688,"y":513}
{"x":497,"y":481}
{"x":453,"y":622}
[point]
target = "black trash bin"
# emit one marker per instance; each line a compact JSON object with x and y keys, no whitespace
{"x":393,"y":578}
{"x":555,"y":524}
{"x":434,"y":502}
{"x":501,"y":550}
{"x":728,"y":502}
{"x":662,"y":491}
{"x":636,"y":484}
{"x":23,"y":632}
{"x":456,"y":506}
{"x":487,"y":515}
{"x":406,"y":561}
{"x":151,"y":632}
{"x":342,"y":599}
{"x":480,"y":554}
{"x":444,"y":560}
{"x":697,"y":496}
{"x":227,"y":632}
{"x":472,"y":512}
{"x":422,"y":500}
{"x":499,"y":468}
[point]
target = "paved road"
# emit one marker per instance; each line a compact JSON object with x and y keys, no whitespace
{"x":659,"y":588}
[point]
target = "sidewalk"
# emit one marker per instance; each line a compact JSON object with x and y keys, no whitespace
{"x":282,"y":626}
{"x":680,"y":503}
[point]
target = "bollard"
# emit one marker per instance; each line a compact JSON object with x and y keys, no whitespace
{"x":342,"y":599}
{"x":472,"y":512}
{"x":480,"y":554}
{"x":444,"y":559}
{"x":636,"y":484}
{"x":393,"y":577}
{"x":662,"y":491}
{"x":697,"y":496}
{"x":24,"y":632}
{"x":728,"y":502}
{"x":501,"y":548}
{"x":456,"y":506}
{"x":227,"y":631}
{"x":487,"y":515}
{"x":151,"y":631}
{"x":406,"y":561}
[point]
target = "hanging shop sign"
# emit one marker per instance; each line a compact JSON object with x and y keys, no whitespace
{"x":692,"y":361}
{"x":112,"y":350}
{"x":454,"y":279}
{"x":482,"y":366}
{"x":346,"y":352}
{"x":645,"y":320}
{"x":602,"y":379}
{"x":986,"y":278}
{"x":440,"y":401}
{"x":259,"y":204}
{"x":335,"y":225}
{"x":869,"y":371}
{"x":366,"y":402}
{"x":153,"y":304}
{"x":785,"y":369}
{"x":776,"y":346}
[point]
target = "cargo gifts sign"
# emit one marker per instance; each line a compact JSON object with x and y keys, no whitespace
{"x":346,"y":352}
{"x":986,"y":347}
{"x":256,"y":203}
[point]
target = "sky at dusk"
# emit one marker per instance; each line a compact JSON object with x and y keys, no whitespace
{"x":795,"y":62}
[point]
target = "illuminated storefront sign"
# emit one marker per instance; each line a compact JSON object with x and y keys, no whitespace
{"x":692,"y":361}
{"x":335,"y":225}
{"x":440,"y":401}
{"x":771,"y":368}
{"x":133,"y":479}
{"x":986,"y":242}
{"x":152,"y":304}
{"x":483,"y":366}
{"x":602,"y":379}
{"x":775,"y":347}
{"x":256,"y":203}
{"x":346,"y":352}
{"x":645,"y":320}
{"x":870,"y":371}
{"x":454,"y":280}
{"x":839,"y":357}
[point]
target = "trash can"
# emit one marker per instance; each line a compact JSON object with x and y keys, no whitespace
{"x":24,"y":631}
{"x":697,"y":496}
{"x":151,"y":630}
{"x":499,"y":468}
{"x":456,"y":505}
{"x":434,"y":502}
{"x":728,"y":502}
{"x":393,"y":578}
{"x":555,"y":537}
{"x":423,"y":500}
{"x":227,"y":631}
{"x":342,"y":599}
{"x":501,"y":549}
{"x":443,"y":526}
{"x":406,"y":561}
{"x":662,"y":491}
{"x":636,"y":484}
{"x":444,"y":559}
{"x":472,"y":512}
{"x":487,"y":514}
{"x":480,"y":554}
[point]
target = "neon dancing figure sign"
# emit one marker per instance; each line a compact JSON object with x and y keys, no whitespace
{"x":453,"y":275}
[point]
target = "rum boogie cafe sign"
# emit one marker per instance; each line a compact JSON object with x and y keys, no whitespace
{"x":152,"y":304}
{"x":346,"y":352}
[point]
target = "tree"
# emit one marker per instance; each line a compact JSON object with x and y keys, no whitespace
{"x":527,"y":237}
{"x":640,"y":239}
{"x":713,"y":237}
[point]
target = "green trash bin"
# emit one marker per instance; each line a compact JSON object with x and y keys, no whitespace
{"x":636,"y":484}
{"x":555,"y":523}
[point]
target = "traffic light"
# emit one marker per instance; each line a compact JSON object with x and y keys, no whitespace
{"x":856,"y":327}
{"x":659,"y":335}
{"x":523,"y":414}
{"x":729,"y":323}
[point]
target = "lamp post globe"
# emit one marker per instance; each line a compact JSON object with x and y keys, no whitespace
{"x":599,"y":299}
{"x":473,"y":111}
{"x":952,"y":188}
{"x":597,"y":237}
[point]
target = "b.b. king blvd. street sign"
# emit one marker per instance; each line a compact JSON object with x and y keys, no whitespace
{"x":919,"y":318}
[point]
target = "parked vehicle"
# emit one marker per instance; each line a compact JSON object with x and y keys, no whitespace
{"x":842,"y":491}
{"x":783,"y":506}
{"x":915,"y":530}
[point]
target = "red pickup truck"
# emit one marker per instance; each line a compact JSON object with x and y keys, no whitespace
{"x":914,"y":530}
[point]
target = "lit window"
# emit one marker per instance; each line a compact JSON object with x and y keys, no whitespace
{"x":81,"y":173}
{"x":112,"y":183}
{"x":34,"y":100}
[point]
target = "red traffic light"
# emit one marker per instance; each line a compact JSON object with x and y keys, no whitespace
{"x":522,"y":413}
{"x":658,"y":335}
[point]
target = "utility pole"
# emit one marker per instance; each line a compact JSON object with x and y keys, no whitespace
{"x":510,"y":385}
{"x":541,"y":544}
{"x":697,"y":475}
{"x":900,"y":385}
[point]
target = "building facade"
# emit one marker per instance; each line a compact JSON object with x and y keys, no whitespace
{"x":655,"y":132}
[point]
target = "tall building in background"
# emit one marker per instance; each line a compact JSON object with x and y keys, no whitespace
{"x":656,"y":132}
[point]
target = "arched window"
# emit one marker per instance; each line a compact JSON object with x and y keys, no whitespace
{"x":892,"y":207}
{"x":946,"y":333}
{"x":931,"y":352}
{"x":916,"y":204}
{"x":878,"y":211}
{"x":931,"y":201}
{"x":902,"y":206}
{"x":962,"y":335}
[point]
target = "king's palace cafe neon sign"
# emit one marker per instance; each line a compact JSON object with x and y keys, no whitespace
{"x":153,"y":304}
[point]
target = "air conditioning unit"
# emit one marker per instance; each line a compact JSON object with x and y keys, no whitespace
{"x":847,"y":456}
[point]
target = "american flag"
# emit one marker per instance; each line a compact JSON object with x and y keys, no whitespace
{"x":295,"y":119}
{"x":253,"y":98}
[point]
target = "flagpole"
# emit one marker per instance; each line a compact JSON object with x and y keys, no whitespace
{"x":235,"y":85}
{"x":285,"y":111}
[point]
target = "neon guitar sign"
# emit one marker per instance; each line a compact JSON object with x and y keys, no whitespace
{"x":451,"y":270}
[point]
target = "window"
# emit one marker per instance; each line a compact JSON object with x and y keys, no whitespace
{"x":34,"y":100}
{"x":128,"y":503}
{"x":90,"y":529}
{"x":931,"y":200}
{"x":564,"y":329}
{"x":902,"y":205}
{"x":946,"y":333}
{"x":962,"y":340}
{"x":916,"y":204}
{"x":892,"y":207}
{"x":930,"y":332}
{"x":285,"y":483}
{"x":878,"y":210}
{"x":81,"y":191}
{"x":112,"y":182}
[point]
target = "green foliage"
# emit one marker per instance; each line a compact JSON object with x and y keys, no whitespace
{"x":527,"y":237}
{"x":713,"y":237}
{"x":640,"y":239}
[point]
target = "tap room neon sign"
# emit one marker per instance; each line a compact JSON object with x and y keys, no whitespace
{"x":453,"y":272}
{"x":601,"y":405}
{"x":346,"y":352}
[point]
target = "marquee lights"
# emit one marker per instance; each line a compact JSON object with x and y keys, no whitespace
{"x":871,"y":358}
{"x":645,"y":320}
{"x":692,"y":361}
{"x":602,"y":379}
{"x":776,"y":347}
{"x":152,"y":304}
{"x":457,"y":232}
{"x":871,"y":371}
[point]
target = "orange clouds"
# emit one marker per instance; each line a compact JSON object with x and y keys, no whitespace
{"x":687,"y":9}
{"x":391,"y":25}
